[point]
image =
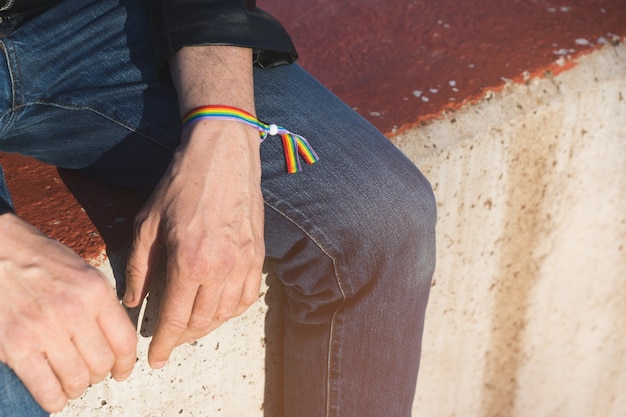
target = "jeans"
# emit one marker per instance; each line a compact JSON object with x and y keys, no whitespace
{"x":352,"y":237}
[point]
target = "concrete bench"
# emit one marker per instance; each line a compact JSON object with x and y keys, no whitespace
{"x":517,"y":116}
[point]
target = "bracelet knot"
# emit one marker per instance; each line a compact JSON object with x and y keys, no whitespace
{"x":293,"y":145}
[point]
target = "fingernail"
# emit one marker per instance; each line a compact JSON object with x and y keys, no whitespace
{"x":122,"y":377}
{"x":128,"y":296}
{"x":159,"y":365}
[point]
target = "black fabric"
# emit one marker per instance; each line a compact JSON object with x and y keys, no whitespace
{"x":25,"y":6}
{"x":179,"y":23}
{"x":5,"y":207}
{"x":20,"y":10}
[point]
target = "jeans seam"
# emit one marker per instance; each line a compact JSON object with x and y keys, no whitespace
{"x":12,"y":67}
{"x":334,"y":326}
{"x":99,"y":113}
{"x":333,"y":331}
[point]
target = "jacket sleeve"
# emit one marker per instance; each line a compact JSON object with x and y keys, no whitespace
{"x":6,"y":205}
{"x":179,"y":23}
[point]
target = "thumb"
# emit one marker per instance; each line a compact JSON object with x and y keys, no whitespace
{"x":142,"y":261}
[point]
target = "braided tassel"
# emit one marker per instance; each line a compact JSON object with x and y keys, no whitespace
{"x":293,"y":145}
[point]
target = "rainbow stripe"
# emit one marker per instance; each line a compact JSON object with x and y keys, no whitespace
{"x":293,"y":145}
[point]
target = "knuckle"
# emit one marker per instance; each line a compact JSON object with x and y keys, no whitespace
{"x":224,"y":314}
{"x":126,"y":346}
{"x":19,"y":335}
{"x":88,"y":292}
{"x":247,"y":299}
{"x":102,"y":367}
{"x":193,"y":260}
{"x":50,"y":397}
{"x":75,"y":386}
{"x":226,"y":262}
{"x":250,"y":252}
{"x":174,"y":325}
{"x":198,"y":324}
{"x":133,"y":270}
{"x":98,"y":286}
{"x":223,"y":262}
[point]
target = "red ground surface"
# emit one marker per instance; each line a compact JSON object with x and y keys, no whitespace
{"x":378,"y":54}
{"x":397,"y":62}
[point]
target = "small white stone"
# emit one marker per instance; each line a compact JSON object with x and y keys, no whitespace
{"x":563,"y":51}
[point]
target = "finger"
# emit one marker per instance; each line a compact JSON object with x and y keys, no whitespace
{"x":252,"y":282}
{"x":251,"y":290}
{"x":95,"y":351}
{"x":231,"y":301}
{"x":252,"y":276}
{"x":174,"y":313}
{"x":68,"y":366}
{"x":202,"y":320}
{"x":142,"y":262}
{"x":230,"y":297}
{"x":42,"y":383}
{"x":121,"y":337}
{"x":216,"y":305}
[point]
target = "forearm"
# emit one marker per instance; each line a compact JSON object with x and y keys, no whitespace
{"x":210,"y":75}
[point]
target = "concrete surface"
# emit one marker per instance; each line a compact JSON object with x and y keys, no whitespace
{"x":527,"y":313}
{"x":515,"y":111}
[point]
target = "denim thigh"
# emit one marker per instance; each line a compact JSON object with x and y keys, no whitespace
{"x":15,"y":400}
{"x":353,"y":242}
{"x":79,"y":89}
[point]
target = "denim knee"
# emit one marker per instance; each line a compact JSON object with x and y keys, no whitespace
{"x":394,"y":243}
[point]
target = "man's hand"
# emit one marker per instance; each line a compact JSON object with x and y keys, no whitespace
{"x":61,"y":324}
{"x":207,"y":211}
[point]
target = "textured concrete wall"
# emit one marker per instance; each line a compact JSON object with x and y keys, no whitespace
{"x":527,"y":311}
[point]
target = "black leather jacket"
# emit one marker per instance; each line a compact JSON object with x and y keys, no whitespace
{"x":179,"y":23}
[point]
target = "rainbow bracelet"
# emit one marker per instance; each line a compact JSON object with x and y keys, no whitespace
{"x":292,"y":144}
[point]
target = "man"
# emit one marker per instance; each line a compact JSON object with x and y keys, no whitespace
{"x":101,"y":86}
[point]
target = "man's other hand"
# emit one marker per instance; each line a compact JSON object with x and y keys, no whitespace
{"x":61,"y":324}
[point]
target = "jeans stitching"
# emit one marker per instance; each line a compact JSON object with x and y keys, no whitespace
{"x":334,"y":328}
{"x":6,"y":45}
{"x":99,"y":113}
